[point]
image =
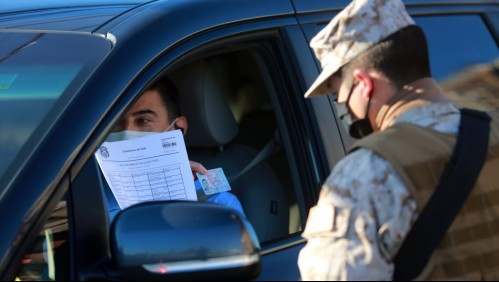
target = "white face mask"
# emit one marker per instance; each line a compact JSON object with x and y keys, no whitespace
{"x":127,"y":135}
{"x":131,"y":134}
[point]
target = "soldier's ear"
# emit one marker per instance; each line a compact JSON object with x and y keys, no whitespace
{"x":365,"y":81}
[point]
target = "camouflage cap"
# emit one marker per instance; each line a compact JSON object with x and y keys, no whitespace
{"x":362,"y":24}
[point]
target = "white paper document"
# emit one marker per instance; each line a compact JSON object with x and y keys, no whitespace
{"x":150,"y":168}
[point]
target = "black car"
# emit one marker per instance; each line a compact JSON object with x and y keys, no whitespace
{"x":69,"y":70}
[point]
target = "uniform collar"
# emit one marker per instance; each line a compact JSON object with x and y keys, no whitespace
{"x":419,"y":93}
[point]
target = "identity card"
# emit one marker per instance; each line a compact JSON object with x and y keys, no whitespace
{"x":214,"y":181}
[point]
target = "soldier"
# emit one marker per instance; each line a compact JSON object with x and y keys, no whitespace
{"x":375,"y":59}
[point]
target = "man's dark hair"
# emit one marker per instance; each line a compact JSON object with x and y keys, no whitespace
{"x":402,"y":57}
{"x":169,"y":95}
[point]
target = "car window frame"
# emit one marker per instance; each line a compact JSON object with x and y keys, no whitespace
{"x":189,"y":49}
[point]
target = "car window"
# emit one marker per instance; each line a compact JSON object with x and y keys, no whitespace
{"x":267,"y":155}
{"x":461,"y":51}
{"x":237,"y":87}
{"x":49,"y":258}
{"x":36,"y":70}
{"x":254,"y":160}
{"x":457,"y":42}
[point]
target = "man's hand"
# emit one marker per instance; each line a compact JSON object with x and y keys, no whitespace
{"x":197,"y":167}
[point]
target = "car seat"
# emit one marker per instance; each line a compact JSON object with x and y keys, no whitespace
{"x":210,"y":141}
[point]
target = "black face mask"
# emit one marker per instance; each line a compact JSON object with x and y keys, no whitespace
{"x":357,"y":128}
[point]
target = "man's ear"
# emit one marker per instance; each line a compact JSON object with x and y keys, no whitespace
{"x":366,"y":82}
{"x":182,"y":124}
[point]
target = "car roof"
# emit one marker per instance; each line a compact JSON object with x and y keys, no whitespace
{"x":101,"y":17}
{"x":67,"y":15}
{"x":90,"y":15}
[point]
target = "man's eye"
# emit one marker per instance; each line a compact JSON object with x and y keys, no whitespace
{"x":143,"y":121}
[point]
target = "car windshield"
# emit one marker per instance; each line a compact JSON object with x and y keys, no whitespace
{"x":37,"y":70}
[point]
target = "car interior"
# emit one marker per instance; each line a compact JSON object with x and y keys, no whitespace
{"x":232,"y":126}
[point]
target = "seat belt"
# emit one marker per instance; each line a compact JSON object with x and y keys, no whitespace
{"x":272,"y":147}
{"x":453,"y":189}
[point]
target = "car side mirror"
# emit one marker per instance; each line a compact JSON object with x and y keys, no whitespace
{"x":180,"y":240}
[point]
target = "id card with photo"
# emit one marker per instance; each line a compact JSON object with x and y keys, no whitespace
{"x":214,"y":181}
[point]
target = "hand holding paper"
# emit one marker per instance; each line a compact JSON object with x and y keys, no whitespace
{"x":150,"y":168}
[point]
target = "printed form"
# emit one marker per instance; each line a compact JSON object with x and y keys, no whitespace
{"x":150,"y":168}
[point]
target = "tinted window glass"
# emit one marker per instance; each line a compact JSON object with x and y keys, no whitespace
{"x":457,"y":42}
{"x":35,"y":71}
{"x":49,"y":259}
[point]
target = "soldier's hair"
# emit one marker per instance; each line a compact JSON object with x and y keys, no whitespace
{"x":402,"y":57}
{"x":169,"y":96}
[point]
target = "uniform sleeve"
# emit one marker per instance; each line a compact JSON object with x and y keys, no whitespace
{"x":363,"y":213}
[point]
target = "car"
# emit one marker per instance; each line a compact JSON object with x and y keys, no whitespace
{"x":69,"y":70}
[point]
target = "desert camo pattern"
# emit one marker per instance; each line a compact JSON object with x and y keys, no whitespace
{"x":362,"y":24}
{"x":365,"y":210}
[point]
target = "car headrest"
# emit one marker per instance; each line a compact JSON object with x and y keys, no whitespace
{"x":203,"y":103}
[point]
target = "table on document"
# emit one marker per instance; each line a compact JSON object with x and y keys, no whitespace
{"x":152,"y":185}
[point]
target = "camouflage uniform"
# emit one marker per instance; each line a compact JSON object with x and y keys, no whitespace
{"x":365,"y":210}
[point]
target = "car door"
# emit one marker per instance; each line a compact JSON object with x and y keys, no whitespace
{"x":81,"y":122}
{"x":251,"y":63}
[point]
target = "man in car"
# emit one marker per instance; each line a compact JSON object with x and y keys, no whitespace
{"x":376,"y":60}
{"x":157,"y":110}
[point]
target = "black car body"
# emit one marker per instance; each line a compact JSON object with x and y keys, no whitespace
{"x":70,"y":69}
